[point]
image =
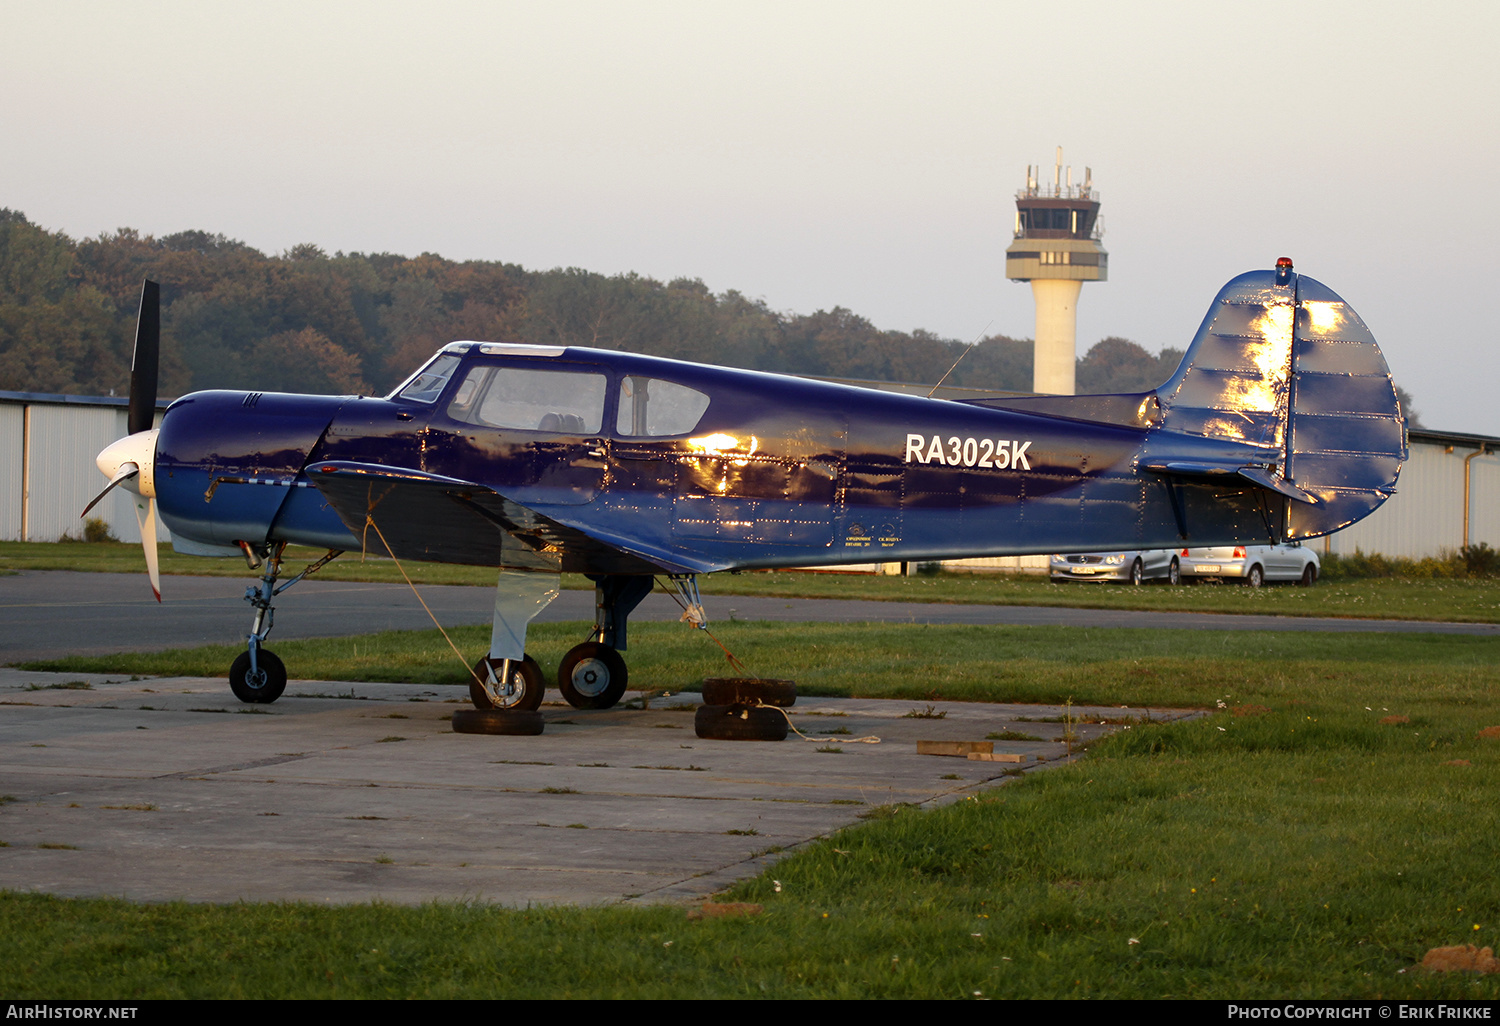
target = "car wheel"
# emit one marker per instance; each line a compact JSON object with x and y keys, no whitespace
{"x":506,"y":722}
{"x":1137,"y":573}
{"x":1309,"y":576}
{"x":1174,"y":574}
{"x":740,"y":723}
{"x":1256,"y":577}
{"x":748,"y":691}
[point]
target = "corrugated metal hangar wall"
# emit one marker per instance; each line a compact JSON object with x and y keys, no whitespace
{"x":1427,"y":516}
{"x":47,"y":475}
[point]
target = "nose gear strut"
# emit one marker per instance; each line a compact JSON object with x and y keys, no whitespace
{"x":257,"y":674}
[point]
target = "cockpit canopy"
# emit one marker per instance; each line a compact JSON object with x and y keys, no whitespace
{"x":568,"y":399}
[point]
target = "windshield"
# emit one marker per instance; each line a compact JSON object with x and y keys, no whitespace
{"x":427,"y":384}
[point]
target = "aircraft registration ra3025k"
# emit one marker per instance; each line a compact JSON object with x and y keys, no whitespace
{"x":1281,"y":423}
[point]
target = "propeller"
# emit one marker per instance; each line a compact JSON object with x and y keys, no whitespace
{"x":131,"y":461}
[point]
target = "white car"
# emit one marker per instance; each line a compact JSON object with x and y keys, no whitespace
{"x":1123,"y":567}
{"x":1253,"y":564}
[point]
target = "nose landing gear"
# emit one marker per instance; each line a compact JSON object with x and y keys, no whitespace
{"x":257,"y":674}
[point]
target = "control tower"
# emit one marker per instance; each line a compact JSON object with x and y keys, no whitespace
{"x":1057,"y":249}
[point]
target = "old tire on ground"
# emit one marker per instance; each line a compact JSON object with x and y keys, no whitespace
{"x":592,"y":676}
{"x":739,"y":723}
{"x":263,"y":686}
{"x":515,"y":722}
{"x":749,"y":691}
{"x":526,"y":679}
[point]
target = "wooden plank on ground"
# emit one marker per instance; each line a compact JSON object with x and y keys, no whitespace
{"x":959,"y":749}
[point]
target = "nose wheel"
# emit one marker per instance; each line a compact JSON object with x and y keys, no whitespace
{"x":592,"y":676}
{"x":264,"y":682}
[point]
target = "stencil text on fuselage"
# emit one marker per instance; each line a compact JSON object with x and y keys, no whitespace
{"x":990,"y":453}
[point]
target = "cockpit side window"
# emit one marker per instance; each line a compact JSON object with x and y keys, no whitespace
{"x":427,"y":384}
{"x":565,"y":402}
{"x":652,"y":407}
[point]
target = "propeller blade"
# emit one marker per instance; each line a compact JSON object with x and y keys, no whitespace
{"x":143,"y":366}
{"x":125,"y":473}
{"x":145,"y":515}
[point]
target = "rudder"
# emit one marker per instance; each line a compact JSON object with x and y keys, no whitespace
{"x":1282,"y":365}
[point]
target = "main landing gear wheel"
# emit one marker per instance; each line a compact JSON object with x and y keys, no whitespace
{"x":592,"y":676}
{"x":265,"y":685}
{"x":523,"y":691}
{"x":748,"y":691}
{"x":513,"y":722}
{"x":740,"y":723}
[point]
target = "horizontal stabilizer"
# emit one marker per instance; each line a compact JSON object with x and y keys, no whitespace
{"x":1277,"y":483}
{"x":1224,"y":470}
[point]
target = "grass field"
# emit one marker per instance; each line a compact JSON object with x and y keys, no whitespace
{"x":1463,"y":600}
{"x":1099,"y":666}
{"x":1330,"y":821}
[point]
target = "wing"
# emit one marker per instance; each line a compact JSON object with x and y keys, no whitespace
{"x":412,"y":515}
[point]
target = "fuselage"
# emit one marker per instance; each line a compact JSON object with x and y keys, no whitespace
{"x":742,"y":468}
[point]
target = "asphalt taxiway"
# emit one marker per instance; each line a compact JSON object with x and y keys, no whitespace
{"x":49,"y":614}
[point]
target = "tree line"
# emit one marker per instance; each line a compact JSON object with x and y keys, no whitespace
{"x":305,"y":321}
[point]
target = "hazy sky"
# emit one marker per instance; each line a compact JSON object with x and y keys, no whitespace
{"x":814,"y":154}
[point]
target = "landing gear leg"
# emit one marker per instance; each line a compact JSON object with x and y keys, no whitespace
{"x":593,"y":675}
{"x":508,"y":678}
{"x":257,"y":674}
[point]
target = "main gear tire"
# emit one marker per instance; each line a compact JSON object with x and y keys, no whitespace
{"x":749,"y":691}
{"x":265,"y":685}
{"x":512,"y":722}
{"x":592,"y":676}
{"x":740,"y":723}
{"x":526,"y":687}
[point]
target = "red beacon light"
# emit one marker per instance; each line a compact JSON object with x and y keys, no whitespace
{"x":1283,"y":270}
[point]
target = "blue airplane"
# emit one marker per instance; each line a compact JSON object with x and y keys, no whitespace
{"x":1281,"y":423}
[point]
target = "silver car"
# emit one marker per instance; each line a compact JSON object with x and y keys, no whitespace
{"x":1134,"y":567}
{"x":1253,"y":565}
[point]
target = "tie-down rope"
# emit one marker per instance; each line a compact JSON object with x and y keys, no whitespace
{"x":370,"y":522}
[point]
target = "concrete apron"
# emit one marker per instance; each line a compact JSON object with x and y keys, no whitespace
{"x":171,"y":789}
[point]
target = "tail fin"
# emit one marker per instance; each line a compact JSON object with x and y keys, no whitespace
{"x":1283,"y":387}
{"x":1287,"y":378}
